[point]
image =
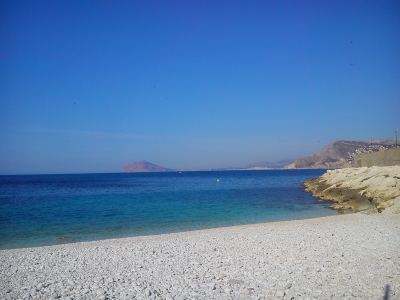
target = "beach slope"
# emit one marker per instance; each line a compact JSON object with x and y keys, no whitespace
{"x":350,"y":256}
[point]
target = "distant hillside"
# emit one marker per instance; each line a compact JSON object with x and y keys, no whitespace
{"x":143,"y":166}
{"x":339,"y":154}
{"x":267,"y":165}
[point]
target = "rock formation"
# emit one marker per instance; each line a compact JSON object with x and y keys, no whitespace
{"x":143,"y":166}
{"x":368,"y":190}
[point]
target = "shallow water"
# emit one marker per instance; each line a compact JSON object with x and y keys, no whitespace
{"x":49,"y":209}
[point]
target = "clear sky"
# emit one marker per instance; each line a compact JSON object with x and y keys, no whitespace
{"x":86,"y":86}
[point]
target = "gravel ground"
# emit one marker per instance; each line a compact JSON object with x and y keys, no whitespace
{"x":351,"y":256}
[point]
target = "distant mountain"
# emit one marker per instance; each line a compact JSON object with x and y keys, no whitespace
{"x":143,"y":166}
{"x":336,"y":155}
{"x":339,"y":154}
{"x":267,"y":165}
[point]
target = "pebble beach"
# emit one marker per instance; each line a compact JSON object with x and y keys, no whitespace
{"x":351,"y":256}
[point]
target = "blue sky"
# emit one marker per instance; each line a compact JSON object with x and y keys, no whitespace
{"x":86,"y":86}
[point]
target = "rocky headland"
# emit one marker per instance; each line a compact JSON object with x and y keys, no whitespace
{"x":368,"y":190}
{"x":340,"y":154}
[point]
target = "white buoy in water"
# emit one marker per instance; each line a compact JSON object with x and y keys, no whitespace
{"x":217,"y":180}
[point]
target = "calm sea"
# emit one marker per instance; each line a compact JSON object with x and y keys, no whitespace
{"x":50,"y":209}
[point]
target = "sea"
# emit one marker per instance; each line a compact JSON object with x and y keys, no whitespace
{"x":41,"y":210}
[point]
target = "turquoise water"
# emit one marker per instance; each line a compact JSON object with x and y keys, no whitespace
{"x":49,"y":209}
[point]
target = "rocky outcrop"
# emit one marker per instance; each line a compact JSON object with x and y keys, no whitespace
{"x":367,"y":190}
{"x":143,"y":166}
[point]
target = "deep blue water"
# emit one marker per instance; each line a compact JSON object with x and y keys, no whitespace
{"x":49,"y":209}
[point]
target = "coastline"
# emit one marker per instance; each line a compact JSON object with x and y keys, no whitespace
{"x":329,"y":257}
{"x":104,"y":206}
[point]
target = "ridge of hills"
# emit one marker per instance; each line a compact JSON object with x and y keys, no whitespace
{"x":336,"y":155}
{"x":144,"y":166}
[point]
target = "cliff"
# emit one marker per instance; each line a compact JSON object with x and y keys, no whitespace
{"x":339,"y":154}
{"x":368,"y":190}
{"x":143,"y":166}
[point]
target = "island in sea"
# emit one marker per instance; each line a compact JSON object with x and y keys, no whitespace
{"x":143,"y":166}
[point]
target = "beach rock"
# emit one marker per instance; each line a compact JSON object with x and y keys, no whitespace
{"x":168,"y":297}
{"x":246,"y":292}
{"x":228,"y":290}
{"x":385,"y":204}
{"x":235,"y":281}
{"x":162,"y":289}
{"x":368,"y":190}
{"x":55,"y":296}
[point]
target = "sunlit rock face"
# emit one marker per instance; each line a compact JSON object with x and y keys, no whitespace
{"x":368,"y":190}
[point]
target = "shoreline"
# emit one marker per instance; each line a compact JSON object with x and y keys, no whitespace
{"x":69,"y":240}
{"x":178,"y":203}
{"x":328,"y":257}
{"x":160,"y":235}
